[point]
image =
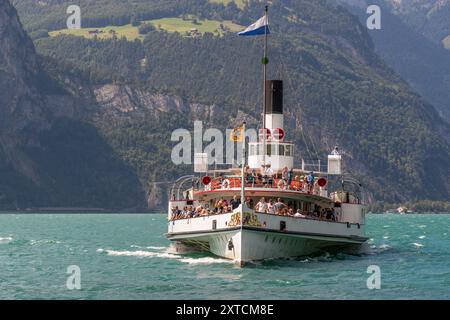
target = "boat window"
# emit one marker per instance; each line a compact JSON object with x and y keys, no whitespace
{"x":214,"y":224}
{"x":306,"y":207}
{"x":260,"y":149}
{"x":274,"y":149}
{"x":282,"y":226}
{"x":281,"y":149}
{"x":252,"y":150}
{"x":288,"y":151}
{"x":270,"y":149}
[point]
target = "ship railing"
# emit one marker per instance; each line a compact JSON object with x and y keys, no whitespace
{"x":314,"y":166}
{"x":351,"y":191}
{"x":235,"y":182}
{"x":322,"y":216}
{"x":179,"y":187}
{"x":194,"y":214}
{"x":345,"y":197}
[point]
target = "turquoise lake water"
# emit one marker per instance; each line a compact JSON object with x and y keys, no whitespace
{"x":126,"y":257}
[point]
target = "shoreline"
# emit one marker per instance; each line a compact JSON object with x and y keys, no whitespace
{"x":112,"y":212}
{"x":78,"y":212}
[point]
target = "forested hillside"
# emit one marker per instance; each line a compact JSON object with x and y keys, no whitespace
{"x":430,"y":18}
{"x":48,"y":155}
{"x":418,"y":57}
{"x":338,"y":92}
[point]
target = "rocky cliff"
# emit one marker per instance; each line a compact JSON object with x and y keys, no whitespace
{"x":49,"y":157}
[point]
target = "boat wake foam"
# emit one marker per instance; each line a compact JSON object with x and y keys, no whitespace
{"x":140,"y":253}
{"x":167,"y":254}
{"x":205,"y":260}
{"x":149,"y":247}
{"x":4,"y":240}
{"x":44,"y":241}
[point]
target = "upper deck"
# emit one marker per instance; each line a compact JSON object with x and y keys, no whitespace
{"x":294,"y":187}
{"x":227,"y":186}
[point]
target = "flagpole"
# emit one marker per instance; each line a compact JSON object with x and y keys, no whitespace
{"x":265,"y":62}
{"x":243,"y":166}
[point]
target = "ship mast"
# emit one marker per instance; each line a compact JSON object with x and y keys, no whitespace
{"x":265,"y":62}
{"x":243,"y":166}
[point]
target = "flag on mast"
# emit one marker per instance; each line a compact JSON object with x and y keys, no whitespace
{"x":238,"y":134}
{"x":260,"y":27}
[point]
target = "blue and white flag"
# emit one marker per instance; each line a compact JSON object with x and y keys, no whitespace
{"x":260,"y":27}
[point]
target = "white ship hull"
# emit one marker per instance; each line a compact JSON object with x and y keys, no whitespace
{"x":261,"y":238}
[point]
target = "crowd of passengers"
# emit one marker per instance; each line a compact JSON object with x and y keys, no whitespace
{"x":276,"y":207}
{"x":285,"y":179}
{"x":220,"y":207}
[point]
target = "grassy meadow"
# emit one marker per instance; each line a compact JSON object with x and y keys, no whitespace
{"x":183,"y":26}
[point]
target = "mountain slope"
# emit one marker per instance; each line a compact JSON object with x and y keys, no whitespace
{"x":338,"y":90}
{"x":430,"y":18}
{"x":420,"y":60}
{"x":20,"y":99}
{"x":48,"y":156}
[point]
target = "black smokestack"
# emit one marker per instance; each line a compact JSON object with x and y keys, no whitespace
{"x":274,"y":97}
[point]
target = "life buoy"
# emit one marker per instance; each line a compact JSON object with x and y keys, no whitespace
{"x":282,"y":184}
{"x":226,"y":184}
{"x":206,"y":180}
{"x":322,"y":182}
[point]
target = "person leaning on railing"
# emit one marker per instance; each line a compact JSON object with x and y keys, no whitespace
{"x":250,"y":178}
{"x":261,"y":206}
{"x":271,"y":207}
{"x":310,"y":180}
{"x":235,"y":202}
{"x":290,"y":177}
{"x":279,"y":206}
{"x":249,"y":202}
{"x":173,"y":213}
{"x":287,"y":177}
{"x":299,"y":214}
{"x":296,"y":184}
{"x":191,"y":212}
{"x":267,"y":178}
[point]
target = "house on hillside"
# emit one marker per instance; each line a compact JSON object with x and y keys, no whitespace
{"x":194,"y":32}
{"x":95,"y":32}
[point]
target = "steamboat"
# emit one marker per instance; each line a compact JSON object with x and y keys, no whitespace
{"x":266,"y":208}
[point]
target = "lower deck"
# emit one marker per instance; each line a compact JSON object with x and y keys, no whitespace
{"x":263,"y":222}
